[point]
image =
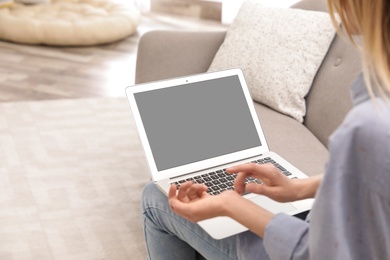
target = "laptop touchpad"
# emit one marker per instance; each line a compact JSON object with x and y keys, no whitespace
{"x":271,"y":205}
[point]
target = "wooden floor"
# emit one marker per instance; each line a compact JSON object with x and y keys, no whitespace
{"x":30,"y":72}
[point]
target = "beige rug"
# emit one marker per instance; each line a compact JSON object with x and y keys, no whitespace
{"x":71,"y":176}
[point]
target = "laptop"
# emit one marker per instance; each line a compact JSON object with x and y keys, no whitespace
{"x":192,"y":128}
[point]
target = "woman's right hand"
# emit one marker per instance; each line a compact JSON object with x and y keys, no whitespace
{"x":275,"y":184}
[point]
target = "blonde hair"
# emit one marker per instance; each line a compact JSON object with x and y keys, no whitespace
{"x":370,"y":19}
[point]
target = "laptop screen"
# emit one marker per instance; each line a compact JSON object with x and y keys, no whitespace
{"x":196,"y":121}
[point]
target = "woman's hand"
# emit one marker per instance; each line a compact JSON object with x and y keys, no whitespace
{"x":275,"y":184}
{"x":193,"y":202}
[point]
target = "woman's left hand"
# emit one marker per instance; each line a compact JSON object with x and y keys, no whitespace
{"x":193,"y":202}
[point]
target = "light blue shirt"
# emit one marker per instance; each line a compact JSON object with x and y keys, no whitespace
{"x":350,"y":218}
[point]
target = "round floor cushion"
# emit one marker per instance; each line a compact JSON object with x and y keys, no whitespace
{"x":69,"y":22}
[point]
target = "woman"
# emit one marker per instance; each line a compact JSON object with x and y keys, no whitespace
{"x":350,"y":217}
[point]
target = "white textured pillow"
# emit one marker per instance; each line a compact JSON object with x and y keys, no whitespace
{"x":279,"y":51}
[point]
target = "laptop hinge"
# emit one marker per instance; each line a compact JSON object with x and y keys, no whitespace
{"x":216,"y":166}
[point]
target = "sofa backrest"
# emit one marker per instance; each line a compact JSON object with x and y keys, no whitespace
{"x":329,"y":98}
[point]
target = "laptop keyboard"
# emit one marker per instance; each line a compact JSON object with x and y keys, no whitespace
{"x":219,"y":180}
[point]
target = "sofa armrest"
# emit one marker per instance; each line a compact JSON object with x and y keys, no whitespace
{"x":167,"y":54}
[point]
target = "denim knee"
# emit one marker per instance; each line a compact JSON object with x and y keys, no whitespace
{"x":153,"y":197}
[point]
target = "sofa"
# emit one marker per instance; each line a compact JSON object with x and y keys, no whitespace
{"x":166,"y":54}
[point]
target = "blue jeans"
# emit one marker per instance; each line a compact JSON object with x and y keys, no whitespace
{"x":169,"y":236}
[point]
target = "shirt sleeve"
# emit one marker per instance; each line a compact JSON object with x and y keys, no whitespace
{"x":287,"y":237}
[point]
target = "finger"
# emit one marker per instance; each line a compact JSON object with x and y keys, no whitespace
{"x":177,"y":206}
{"x":239,"y":183}
{"x":275,"y":193}
{"x":183,"y":190}
{"x":256,"y":170}
{"x":202,"y":190}
{"x":258,"y":189}
{"x":172,"y":196}
{"x":261,"y":189}
{"x":245,"y":167}
{"x":195,"y":191}
{"x":172,"y":191}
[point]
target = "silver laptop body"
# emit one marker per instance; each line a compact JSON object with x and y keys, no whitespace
{"x":202,"y":124}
